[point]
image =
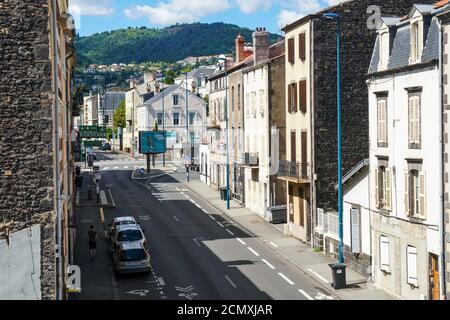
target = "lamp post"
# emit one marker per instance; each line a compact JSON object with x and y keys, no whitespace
{"x":223,"y":60}
{"x":163,"y":119}
{"x":187,"y":124}
{"x":337,"y":18}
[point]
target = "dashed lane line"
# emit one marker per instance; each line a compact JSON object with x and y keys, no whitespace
{"x":212,"y":218}
{"x":273,"y":245}
{"x":230,"y":232}
{"x":177,"y":220}
{"x":318,"y":276}
{"x":268,"y":263}
{"x":286,"y":278}
{"x":230,"y":281}
{"x":253,"y":251}
{"x":307,"y":296}
{"x":197,"y":243}
{"x":220,"y":224}
{"x":240,"y":240}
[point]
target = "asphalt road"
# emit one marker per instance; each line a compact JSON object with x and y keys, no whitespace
{"x":197,"y":253}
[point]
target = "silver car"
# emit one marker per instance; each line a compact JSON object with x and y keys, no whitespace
{"x":127,"y":234}
{"x":131,"y":258}
{"x":120,"y":221}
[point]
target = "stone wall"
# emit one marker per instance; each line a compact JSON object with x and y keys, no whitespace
{"x":356,"y":52}
{"x":26,"y":163}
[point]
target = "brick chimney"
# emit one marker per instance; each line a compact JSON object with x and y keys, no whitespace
{"x":240,"y":44}
{"x":261,"y":45}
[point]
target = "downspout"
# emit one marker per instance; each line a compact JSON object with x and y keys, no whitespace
{"x":441,"y":185}
{"x":313,"y":203}
{"x":56,"y":169}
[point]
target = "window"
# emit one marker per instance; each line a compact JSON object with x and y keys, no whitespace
{"x":302,"y":46}
{"x":247,"y":103}
{"x":384,"y":254}
{"x":292,"y":98}
{"x":382,"y":122}
{"x":411,"y":266}
{"x":415,"y":194}
{"x":383,"y":187}
{"x":261,"y":102}
{"x":291,"y":203}
{"x":355,"y":217}
{"x":176,"y":119}
{"x":303,"y":95}
{"x":384,"y":49}
{"x":253,"y":104}
{"x":160,"y":118}
{"x":415,"y":42}
{"x":232,"y":98}
{"x":176,"y":99}
{"x":191,"y":118}
{"x":414,"y":122}
{"x":291,"y":48}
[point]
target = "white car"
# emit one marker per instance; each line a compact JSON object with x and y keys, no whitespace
{"x":120,"y":221}
{"x":128,"y":234}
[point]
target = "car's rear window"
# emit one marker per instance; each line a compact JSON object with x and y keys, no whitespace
{"x":122,"y":223}
{"x":133,"y":255}
{"x":129,"y":235}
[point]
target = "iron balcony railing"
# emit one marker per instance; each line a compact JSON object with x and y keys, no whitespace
{"x":296,"y":170}
{"x":251,"y":159}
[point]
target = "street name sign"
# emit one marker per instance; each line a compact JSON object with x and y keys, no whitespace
{"x":92,"y":132}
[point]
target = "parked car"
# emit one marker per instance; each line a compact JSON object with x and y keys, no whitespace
{"x":127,"y":234}
{"x":131,"y":258}
{"x":90,"y":151}
{"x":120,"y":221}
{"x":105,"y":146}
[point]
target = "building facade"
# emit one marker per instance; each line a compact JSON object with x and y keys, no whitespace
{"x":36,"y":175}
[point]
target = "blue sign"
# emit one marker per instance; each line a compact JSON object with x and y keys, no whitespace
{"x":152,"y":142}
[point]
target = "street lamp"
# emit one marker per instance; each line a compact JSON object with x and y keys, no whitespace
{"x":187,"y":125}
{"x":223,"y":61}
{"x":337,"y":18}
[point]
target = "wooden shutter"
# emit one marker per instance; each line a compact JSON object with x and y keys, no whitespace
{"x":382,"y":121}
{"x":411,"y":122}
{"x":303,"y":95}
{"x":302,"y":46}
{"x":295,"y":98}
{"x":377,"y":189}
{"x":422,"y":194}
{"x":302,"y":206}
{"x":384,"y":254}
{"x":407,"y":207}
{"x":293,"y":147}
{"x":411,"y":265}
{"x":388,"y":189}
{"x":417,"y":134}
{"x":289,"y":98}
{"x":291,"y":48}
{"x":355,"y":216}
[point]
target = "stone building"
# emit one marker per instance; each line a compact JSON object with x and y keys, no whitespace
{"x":36,"y":166}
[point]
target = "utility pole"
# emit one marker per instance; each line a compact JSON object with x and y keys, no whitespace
{"x":163,"y":120}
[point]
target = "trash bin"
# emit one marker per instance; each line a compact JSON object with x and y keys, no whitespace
{"x":223,"y":193}
{"x":338,"y":272}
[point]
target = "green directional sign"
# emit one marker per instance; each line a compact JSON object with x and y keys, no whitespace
{"x":97,"y":143}
{"x":92,"y":132}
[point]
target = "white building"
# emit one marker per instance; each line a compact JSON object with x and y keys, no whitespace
{"x":197,"y":80}
{"x":405,"y":161}
{"x":90,"y":114}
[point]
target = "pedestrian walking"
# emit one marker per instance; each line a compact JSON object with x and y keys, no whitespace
{"x":92,"y":233}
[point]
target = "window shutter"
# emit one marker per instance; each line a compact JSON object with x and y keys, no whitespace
{"x":407,"y":208}
{"x":411,"y":265}
{"x":295,"y":97}
{"x":417,"y":120}
{"x":388,"y":189}
{"x":384,"y":254}
{"x":303,"y":96}
{"x":411,"y":120}
{"x":289,"y":98}
{"x":422,"y":194}
{"x":302,"y":46}
{"x":377,"y":192}
{"x":291,"y":47}
{"x":380,"y":123}
{"x":355,"y":215}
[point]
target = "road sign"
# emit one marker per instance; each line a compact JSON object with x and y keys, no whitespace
{"x":152,"y":142}
{"x":96,"y":143}
{"x":92,"y":132}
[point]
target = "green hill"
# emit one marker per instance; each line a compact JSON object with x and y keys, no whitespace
{"x":137,"y":45}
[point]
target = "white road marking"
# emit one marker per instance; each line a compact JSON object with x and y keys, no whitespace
{"x":198,"y":206}
{"x":231,"y":282}
{"x":230,"y":232}
{"x":183,"y":194}
{"x":253,"y":251}
{"x":212,"y":217}
{"x":267,"y":262}
{"x":115,"y":168}
{"x":192,"y":201}
{"x":240,"y":240}
{"x":205,"y":211}
{"x":286,"y":278}
{"x":178,"y":189}
{"x":161,"y":281}
{"x":126,"y":167}
{"x":178,"y":220}
{"x":273,"y":244}
{"x":220,"y":224}
{"x":197,"y":243}
{"x":105,"y":168}
{"x":319,"y":276}
{"x":307,"y":296}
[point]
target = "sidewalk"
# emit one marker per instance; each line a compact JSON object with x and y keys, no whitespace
{"x":302,"y":256}
{"x":155,"y":172}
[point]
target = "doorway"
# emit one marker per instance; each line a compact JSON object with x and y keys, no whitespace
{"x":434,"y":277}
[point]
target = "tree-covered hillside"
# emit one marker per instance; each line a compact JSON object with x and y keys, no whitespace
{"x":137,"y":45}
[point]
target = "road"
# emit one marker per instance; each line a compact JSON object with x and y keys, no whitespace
{"x":197,"y":252}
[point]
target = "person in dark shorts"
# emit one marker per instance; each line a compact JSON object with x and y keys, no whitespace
{"x":92,"y":242}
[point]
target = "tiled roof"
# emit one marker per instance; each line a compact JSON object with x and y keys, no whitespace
{"x":431,"y":50}
{"x":375,"y":57}
{"x":401,"y":49}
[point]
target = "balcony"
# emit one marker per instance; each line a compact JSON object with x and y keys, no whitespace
{"x":251,"y":159}
{"x":294,"y":171}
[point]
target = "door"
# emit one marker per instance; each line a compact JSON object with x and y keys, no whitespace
{"x":434,"y":277}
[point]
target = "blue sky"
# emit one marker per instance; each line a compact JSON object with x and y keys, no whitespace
{"x":92,"y":16}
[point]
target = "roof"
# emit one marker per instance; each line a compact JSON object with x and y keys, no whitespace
{"x":168,"y":91}
{"x":128,"y":227}
{"x":354,"y":171}
{"x":202,"y":71}
{"x":120,"y":219}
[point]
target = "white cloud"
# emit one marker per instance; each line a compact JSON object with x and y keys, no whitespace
{"x":297,"y":9}
{"x":251,"y":6}
{"x":177,"y":11}
{"x":334,"y":2}
{"x":91,"y":8}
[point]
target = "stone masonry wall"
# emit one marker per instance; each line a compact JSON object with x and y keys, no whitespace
{"x":357,"y":44}
{"x":26,"y":163}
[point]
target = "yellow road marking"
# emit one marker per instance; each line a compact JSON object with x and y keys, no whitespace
{"x":102,"y":215}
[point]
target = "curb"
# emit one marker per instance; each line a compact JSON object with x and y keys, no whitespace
{"x":154,"y":177}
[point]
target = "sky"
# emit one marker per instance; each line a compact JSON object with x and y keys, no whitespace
{"x":94,"y":16}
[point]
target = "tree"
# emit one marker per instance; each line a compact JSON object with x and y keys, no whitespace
{"x":170,"y":77}
{"x":119,"y":116}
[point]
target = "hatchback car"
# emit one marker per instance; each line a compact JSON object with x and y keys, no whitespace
{"x":131,"y":258}
{"x":127,"y":234}
{"x":120,"y":221}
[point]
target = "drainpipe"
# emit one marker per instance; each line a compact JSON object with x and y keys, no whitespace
{"x":441,"y":185}
{"x":56,"y":169}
